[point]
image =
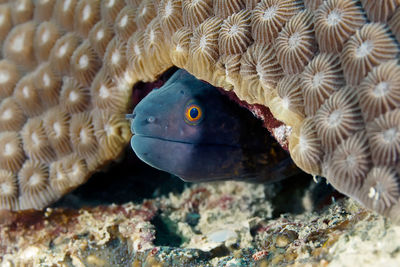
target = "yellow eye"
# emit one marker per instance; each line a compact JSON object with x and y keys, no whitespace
{"x":193,"y":113}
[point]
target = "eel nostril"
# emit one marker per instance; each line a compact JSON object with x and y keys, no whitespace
{"x":151,"y":119}
{"x":130,"y":116}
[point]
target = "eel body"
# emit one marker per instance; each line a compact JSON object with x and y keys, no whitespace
{"x":189,"y":129}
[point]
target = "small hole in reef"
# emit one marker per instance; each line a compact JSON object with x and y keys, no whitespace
{"x":166,"y":234}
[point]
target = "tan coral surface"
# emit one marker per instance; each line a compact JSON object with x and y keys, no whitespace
{"x":327,"y":69}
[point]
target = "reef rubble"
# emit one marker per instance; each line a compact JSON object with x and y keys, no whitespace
{"x":211,"y":224}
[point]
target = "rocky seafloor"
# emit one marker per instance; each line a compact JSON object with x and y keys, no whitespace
{"x":157,"y":220}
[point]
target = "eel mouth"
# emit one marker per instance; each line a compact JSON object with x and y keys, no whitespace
{"x":150,"y":137}
{"x":188,"y":160}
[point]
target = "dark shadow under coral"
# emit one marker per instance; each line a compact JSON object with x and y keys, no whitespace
{"x":124,"y":181}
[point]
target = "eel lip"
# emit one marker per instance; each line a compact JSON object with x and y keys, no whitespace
{"x":184,"y":142}
{"x":160,"y":138}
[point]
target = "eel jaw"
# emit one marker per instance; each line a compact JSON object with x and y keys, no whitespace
{"x":189,"y":161}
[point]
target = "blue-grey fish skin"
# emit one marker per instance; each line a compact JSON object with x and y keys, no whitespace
{"x":224,"y":142}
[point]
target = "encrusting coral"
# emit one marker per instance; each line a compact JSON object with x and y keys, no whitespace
{"x":320,"y":78}
{"x":335,"y":22}
{"x":269,"y":17}
{"x":327,"y":69}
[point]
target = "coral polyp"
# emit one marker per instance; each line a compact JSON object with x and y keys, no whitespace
{"x":235,"y":33}
{"x":12,"y":117}
{"x":349,"y":165}
{"x":12,"y":154}
{"x":335,"y":22}
{"x":384,"y":138}
{"x":370,"y":46}
{"x":195,"y":12}
{"x":9,"y":75}
{"x":319,"y":80}
{"x":338,"y":118}
{"x":9,"y":189}
{"x":295,"y":44}
{"x":381,"y":189}
{"x":269,"y":17}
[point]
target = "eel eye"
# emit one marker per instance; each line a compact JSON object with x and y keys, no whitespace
{"x":193,"y":114}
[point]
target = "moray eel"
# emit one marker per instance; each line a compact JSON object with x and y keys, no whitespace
{"x":190,"y":129}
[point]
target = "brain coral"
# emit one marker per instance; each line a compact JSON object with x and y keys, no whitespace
{"x":329,"y":70}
